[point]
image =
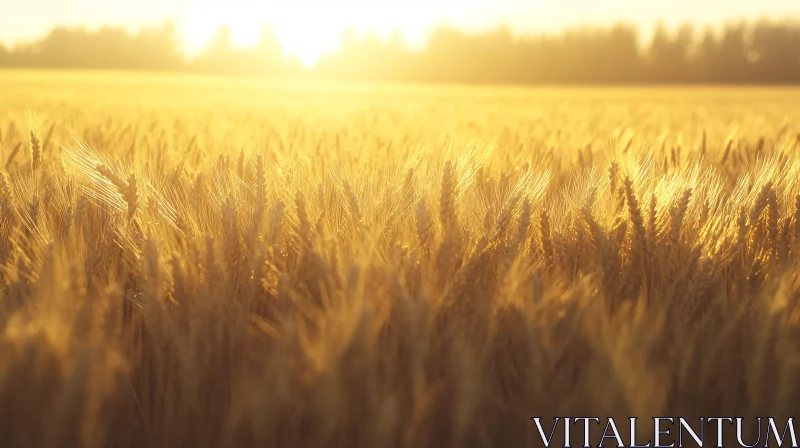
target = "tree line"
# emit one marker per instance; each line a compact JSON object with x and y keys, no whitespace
{"x":764,"y":52}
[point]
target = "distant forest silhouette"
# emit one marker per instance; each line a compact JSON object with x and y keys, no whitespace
{"x":765,"y":52}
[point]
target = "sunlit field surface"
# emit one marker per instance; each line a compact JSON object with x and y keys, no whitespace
{"x":213,"y":262}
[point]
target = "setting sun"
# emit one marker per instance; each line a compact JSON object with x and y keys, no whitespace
{"x":309,"y":28}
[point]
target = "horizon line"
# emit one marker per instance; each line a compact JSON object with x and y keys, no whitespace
{"x":643,"y":33}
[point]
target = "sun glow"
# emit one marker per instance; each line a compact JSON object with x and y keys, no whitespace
{"x":309,"y":28}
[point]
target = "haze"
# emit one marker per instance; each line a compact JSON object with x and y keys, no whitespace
{"x":308,"y":28}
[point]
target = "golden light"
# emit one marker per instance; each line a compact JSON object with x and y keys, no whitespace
{"x":309,"y":28}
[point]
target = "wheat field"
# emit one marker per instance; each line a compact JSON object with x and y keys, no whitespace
{"x":200,"y":262}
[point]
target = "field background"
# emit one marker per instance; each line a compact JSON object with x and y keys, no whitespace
{"x":418,"y":108}
{"x":198,"y":261}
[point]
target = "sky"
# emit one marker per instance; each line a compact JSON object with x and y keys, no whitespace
{"x":308,"y":28}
